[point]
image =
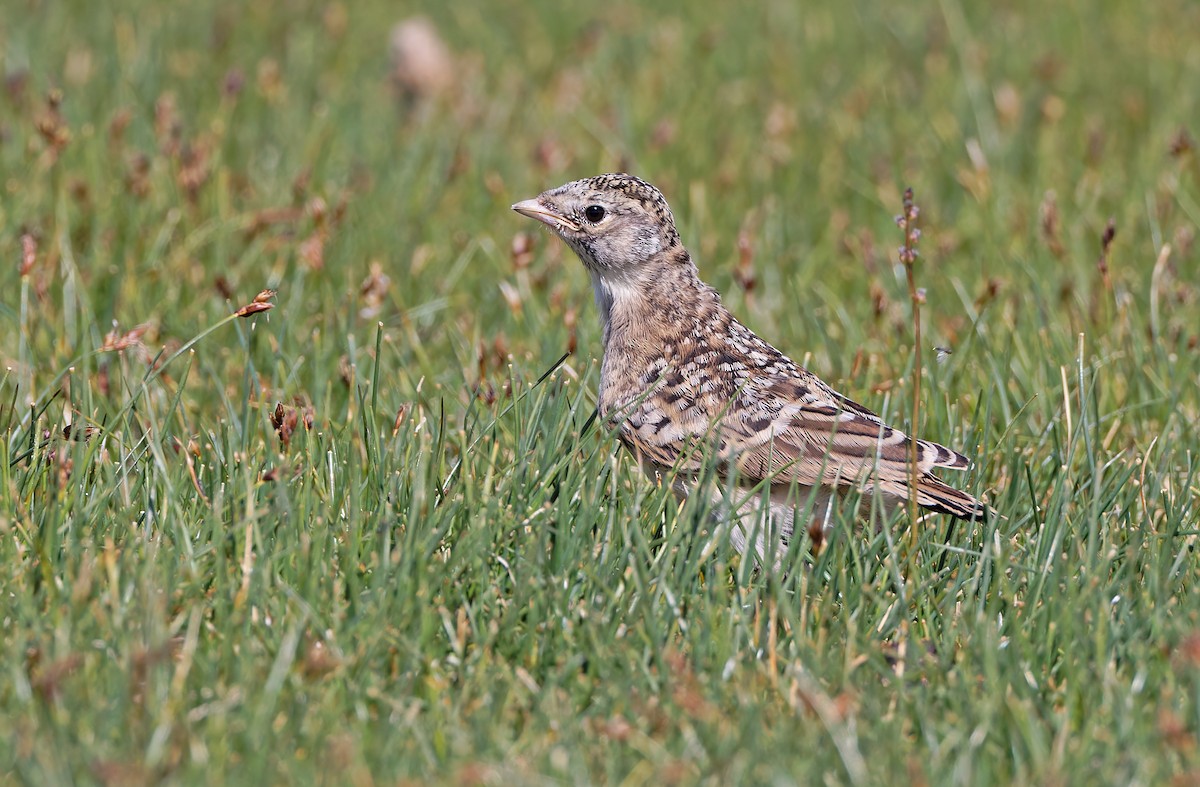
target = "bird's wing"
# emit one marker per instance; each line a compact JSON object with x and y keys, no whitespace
{"x":793,"y":430}
{"x":796,"y":433}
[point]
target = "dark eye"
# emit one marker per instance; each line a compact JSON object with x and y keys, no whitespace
{"x":593,"y":213}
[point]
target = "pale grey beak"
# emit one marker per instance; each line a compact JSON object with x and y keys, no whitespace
{"x":536,"y":210}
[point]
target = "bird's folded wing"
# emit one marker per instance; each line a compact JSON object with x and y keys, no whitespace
{"x":826,"y":443}
{"x":793,"y":435}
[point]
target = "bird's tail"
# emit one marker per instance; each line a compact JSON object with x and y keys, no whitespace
{"x":935,"y":495}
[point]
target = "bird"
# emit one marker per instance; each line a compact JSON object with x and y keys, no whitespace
{"x":686,"y":386}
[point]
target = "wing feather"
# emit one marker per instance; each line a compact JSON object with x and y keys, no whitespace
{"x":795,"y":432}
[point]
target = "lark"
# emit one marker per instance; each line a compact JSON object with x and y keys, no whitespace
{"x":686,"y":386}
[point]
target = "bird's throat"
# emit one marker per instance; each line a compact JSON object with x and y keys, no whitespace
{"x":616,"y":295}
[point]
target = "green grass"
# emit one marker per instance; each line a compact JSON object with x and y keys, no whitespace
{"x":481,"y":590}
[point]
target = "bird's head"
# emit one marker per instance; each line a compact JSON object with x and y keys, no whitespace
{"x":616,"y":223}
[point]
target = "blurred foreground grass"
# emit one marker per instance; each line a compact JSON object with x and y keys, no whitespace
{"x":352,"y":539}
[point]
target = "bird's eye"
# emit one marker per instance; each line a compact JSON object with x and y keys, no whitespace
{"x":593,"y":213}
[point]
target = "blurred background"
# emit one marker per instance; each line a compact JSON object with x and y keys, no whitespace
{"x":361,"y":157}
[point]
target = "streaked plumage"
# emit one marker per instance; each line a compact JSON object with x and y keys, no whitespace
{"x":683,"y":380}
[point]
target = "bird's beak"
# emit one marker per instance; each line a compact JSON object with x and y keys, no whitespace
{"x":536,"y":210}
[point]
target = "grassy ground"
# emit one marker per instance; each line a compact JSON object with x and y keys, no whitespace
{"x":445,"y":577}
